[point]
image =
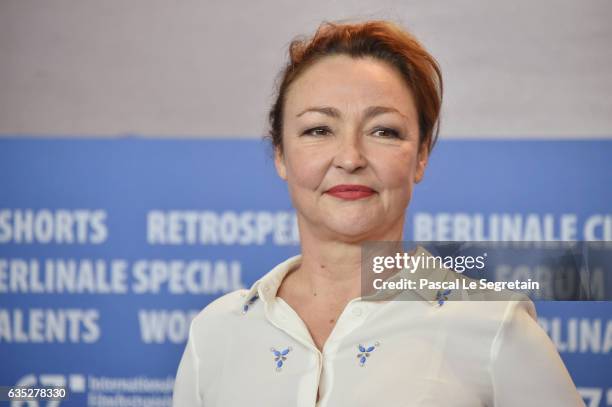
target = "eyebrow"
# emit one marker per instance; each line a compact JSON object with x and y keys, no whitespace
{"x":369,"y":112}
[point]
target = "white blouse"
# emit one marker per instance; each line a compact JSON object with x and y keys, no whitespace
{"x":250,"y":348}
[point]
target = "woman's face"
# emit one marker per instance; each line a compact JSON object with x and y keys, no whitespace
{"x":351,"y":148}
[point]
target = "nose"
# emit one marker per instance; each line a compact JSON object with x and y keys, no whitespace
{"x":349,"y":155}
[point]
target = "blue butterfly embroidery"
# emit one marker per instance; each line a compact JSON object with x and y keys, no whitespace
{"x":442,"y":296}
{"x":280,"y":357}
{"x":364,"y":353}
{"x":250,"y":302}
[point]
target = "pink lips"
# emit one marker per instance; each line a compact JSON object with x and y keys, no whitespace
{"x":351,"y":192}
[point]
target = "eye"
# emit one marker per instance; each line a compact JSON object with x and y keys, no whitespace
{"x":386,"y":132}
{"x":317,"y":131}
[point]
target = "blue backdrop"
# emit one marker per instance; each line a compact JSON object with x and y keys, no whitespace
{"x":109,"y":247}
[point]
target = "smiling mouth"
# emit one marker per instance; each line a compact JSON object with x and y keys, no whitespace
{"x":350,"y":192}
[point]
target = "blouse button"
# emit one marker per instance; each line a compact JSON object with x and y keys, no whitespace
{"x":357,"y":311}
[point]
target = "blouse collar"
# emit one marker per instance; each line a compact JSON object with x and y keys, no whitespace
{"x":267,"y":286}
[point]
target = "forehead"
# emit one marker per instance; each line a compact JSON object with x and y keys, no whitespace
{"x":350,"y":83}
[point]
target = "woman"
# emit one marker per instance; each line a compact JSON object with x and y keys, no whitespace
{"x":353,"y":125}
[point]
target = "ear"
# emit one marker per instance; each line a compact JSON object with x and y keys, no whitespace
{"x":422,"y":157}
{"x":279,"y":163}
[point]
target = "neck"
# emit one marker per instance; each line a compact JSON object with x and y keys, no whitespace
{"x":331,"y":267}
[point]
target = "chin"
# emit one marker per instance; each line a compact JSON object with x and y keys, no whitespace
{"x":356,"y":229}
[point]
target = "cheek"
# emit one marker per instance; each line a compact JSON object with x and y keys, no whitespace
{"x":397,"y":171}
{"x":304,"y":170}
